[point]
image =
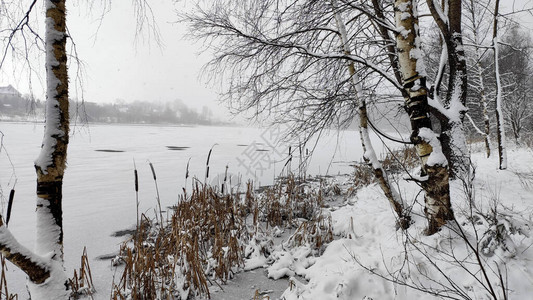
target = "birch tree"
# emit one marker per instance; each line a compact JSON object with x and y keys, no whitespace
{"x":452,"y":108}
{"x":281,"y":57}
{"x":44,"y":266}
{"x":500,"y":123}
{"x":435,"y":179}
{"x":478,"y":81}
{"x":397,"y":203}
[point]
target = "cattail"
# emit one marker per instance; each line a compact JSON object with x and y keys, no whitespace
{"x":207,"y":162}
{"x":136,"y":180}
{"x":187,"y":170}
{"x":225,"y":179}
{"x":136,"y":176}
{"x":10,"y":204}
{"x":153,"y":171}
{"x":157,"y":192}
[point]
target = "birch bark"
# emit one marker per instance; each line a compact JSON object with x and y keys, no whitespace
{"x":51,"y":163}
{"x":435,"y":178}
{"x":500,"y":125}
{"x":449,"y":20}
{"x":479,"y":71}
{"x":397,"y":203}
{"x":46,"y":275}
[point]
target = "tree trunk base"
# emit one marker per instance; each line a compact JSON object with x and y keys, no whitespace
{"x":438,"y":208}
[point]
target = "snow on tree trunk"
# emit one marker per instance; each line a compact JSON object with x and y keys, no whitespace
{"x":500,"y":125}
{"x":34,"y":266}
{"x":484,"y":105}
{"x":435,"y":177}
{"x":51,"y":163}
{"x":479,"y":71}
{"x":397,"y":203}
{"x":453,"y":137}
{"x":44,"y":267}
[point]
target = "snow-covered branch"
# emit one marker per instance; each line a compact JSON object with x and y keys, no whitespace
{"x":36,"y":267}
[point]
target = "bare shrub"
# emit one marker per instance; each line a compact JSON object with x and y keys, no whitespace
{"x":400,"y":160}
{"x":362,"y":176}
{"x":200,"y":246}
{"x":289,"y":199}
{"x":477,"y":243}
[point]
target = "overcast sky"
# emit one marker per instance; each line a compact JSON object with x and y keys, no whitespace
{"x":119,"y":66}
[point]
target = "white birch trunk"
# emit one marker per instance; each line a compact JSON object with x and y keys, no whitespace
{"x":434,"y":164}
{"x":51,"y":163}
{"x":502,"y":147}
{"x":44,"y":267}
{"x":479,"y":70}
{"x":502,"y":151}
{"x":399,"y":206}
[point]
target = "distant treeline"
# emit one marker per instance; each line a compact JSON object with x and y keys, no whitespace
{"x":175,"y":112}
{"x":16,"y":107}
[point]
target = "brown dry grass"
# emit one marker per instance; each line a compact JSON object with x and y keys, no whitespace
{"x":316,"y":233}
{"x":400,"y":160}
{"x":200,"y":245}
{"x":4,"y":292}
{"x":393,"y":162}
{"x":291,"y":198}
{"x":81,"y":282}
{"x":293,"y":202}
{"x":203,"y":242}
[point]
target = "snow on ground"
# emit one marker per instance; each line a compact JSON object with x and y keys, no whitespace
{"x":99,"y":201}
{"x":370,"y":248}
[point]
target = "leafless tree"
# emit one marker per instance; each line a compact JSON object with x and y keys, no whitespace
{"x":370,"y":156}
{"x":517,"y":73}
{"x":44,"y":266}
{"x":500,"y":124}
{"x":283,"y":58}
{"x":478,"y":27}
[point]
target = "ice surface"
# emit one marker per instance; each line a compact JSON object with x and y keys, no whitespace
{"x":99,"y":196}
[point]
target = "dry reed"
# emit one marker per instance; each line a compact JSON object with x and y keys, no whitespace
{"x":200,"y":246}
{"x":203,"y":241}
{"x":81,"y":282}
{"x":394,"y":162}
{"x":4,"y":293}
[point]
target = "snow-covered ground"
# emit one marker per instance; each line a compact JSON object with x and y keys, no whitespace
{"x":99,"y":199}
{"x":370,"y":248}
{"x":99,"y":196}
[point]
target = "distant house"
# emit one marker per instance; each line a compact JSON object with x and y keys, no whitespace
{"x":9,"y":91}
{"x":11,"y":102}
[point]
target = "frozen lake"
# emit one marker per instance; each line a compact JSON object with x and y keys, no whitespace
{"x":99,"y":196}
